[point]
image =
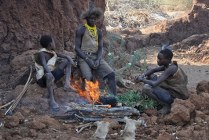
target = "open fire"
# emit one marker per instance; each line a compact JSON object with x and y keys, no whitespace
{"x":93,"y":95}
{"x":100,"y":107}
{"x":91,"y":92}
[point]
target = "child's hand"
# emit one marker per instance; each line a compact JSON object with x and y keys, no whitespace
{"x":139,"y":78}
{"x":90,"y":62}
{"x":74,"y":64}
{"x":96,"y":63}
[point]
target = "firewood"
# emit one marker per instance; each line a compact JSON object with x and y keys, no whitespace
{"x":94,"y":119}
{"x":86,"y":113}
{"x":101,"y":112}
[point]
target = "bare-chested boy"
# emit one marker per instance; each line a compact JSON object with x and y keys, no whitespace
{"x":171,"y":84}
{"x":48,"y":70}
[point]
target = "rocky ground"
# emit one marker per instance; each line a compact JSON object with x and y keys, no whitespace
{"x":188,"y":119}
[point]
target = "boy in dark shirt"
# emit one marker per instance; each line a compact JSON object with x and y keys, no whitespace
{"x":171,"y":84}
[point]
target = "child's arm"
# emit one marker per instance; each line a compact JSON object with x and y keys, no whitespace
{"x":100,"y":45}
{"x":166,"y":74}
{"x":68,"y":58}
{"x":100,"y":50}
{"x":43,"y":62}
{"x":148,"y":73}
{"x":151,"y":71}
{"x":65,"y":56}
{"x":78,"y":41}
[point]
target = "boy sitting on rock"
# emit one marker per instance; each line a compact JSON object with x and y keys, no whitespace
{"x":171,"y":84}
{"x":48,"y":70}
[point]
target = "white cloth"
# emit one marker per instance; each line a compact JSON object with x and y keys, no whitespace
{"x":51,"y":64}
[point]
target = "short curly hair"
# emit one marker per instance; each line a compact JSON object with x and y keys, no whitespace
{"x":93,"y":11}
{"x":167,"y":53}
{"x":45,"y":40}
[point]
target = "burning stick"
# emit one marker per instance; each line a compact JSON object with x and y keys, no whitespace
{"x":94,"y":103}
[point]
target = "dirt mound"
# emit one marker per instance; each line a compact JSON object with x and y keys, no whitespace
{"x":194,"y":47}
{"x":175,"y":30}
{"x":201,"y":52}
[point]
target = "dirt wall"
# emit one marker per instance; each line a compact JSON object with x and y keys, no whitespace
{"x":173,"y":31}
{"x":195,"y":23}
{"x":23,"y":22}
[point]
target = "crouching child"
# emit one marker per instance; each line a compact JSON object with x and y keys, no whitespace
{"x":171,"y":84}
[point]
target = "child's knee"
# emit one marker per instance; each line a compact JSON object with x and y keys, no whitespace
{"x":147,"y":87}
{"x":110,"y":76}
{"x":65,"y":61}
{"x":88,"y":77}
{"x":147,"y":90}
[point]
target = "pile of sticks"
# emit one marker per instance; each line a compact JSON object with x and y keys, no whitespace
{"x":97,"y":113}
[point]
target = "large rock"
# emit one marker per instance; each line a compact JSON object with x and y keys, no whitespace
{"x":181,"y":112}
{"x":203,"y":86}
{"x":201,"y":101}
{"x":14,"y":121}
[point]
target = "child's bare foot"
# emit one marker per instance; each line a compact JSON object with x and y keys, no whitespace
{"x":69,"y":88}
{"x":165,"y":110}
{"x":54,"y":106}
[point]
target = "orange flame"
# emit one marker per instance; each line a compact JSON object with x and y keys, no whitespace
{"x":91,"y":92}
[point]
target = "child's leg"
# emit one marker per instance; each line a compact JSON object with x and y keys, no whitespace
{"x":49,"y":83}
{"x":165,"y":98}
{"x":161,"y":95}
{"x":86,"y":73}
{"x":111,"y":83}
{"x":67,"y":85}
{"x":105,"y":71}
{"x":59,"y":73}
